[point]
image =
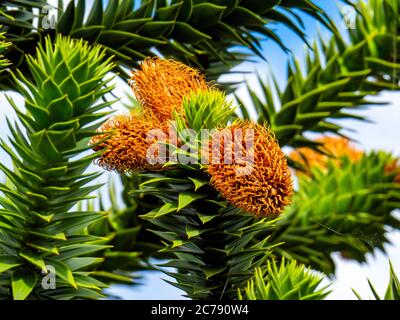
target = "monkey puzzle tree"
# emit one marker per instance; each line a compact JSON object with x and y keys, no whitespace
{"x":235,"y":228}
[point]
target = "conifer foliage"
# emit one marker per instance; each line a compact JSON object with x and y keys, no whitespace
{"x":39,"y":232}
{"x":209,"y":193}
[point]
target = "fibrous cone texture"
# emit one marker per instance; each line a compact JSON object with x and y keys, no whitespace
{"x":335,"y":147}
{"x":260,"y":182}
{"x":161,"y":85}
{"x":262,"y":187}
{"x":126,"y":143}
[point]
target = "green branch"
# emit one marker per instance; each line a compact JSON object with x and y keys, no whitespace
{"x":338,"y":77}
{"x":343,"y":208}
{"x":201,"y":33}
{"x":38,"y":229}
{"x":284,"y":281}
{"x":211,"y":242}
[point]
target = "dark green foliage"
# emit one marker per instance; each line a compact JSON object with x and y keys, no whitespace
{"x":339,"y":77}
{"x":213,"y":243}
{"x":38,"y":225}
{"x":132,"y":244}
{"x":215,"y":247}
{"x":202,"y":33}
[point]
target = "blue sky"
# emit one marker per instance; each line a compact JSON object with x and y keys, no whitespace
{"x":382,"y":134}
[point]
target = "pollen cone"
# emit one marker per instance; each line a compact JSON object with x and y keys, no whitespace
{"x":126,"y":144}
{"x":337,"y":147}
{"x":260,"y":182}
{"x":160,"y":86}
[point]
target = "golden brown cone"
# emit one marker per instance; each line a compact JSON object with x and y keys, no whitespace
{"x":268,"y":185}
{"x":126,"y":148}
{"x":337,"y":147}
{"x":160,"y":86}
